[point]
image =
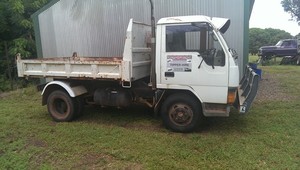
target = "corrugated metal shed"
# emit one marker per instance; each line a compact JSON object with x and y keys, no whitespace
{"x":97,"y":27}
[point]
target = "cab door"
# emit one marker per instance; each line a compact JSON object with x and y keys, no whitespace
{"x":193,"y":58}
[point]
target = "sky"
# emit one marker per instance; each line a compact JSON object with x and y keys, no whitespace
{"x":270,"y":14}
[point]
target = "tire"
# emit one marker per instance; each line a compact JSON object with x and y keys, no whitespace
{"x":259,"y":60}
{"x":181,"y":113}
{"x":79,"y":104}
{"x":61,"y":107}
{"x":264,"y":60}
{"x":284,"y":61}
{"x":298,"y":61}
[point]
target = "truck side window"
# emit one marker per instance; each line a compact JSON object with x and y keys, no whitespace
{"x":289,"y":44}
{"x":182,"y":38}
{"x":195,"y":37}
{"x":286,"y":44}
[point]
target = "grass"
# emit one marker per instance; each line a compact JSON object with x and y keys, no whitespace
{"x":267,"y":138}
{"x":273,"y":61}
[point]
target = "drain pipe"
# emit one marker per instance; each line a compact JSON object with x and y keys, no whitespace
{"x":153,"y":58}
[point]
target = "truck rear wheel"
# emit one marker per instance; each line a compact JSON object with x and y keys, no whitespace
{"x":61,"y":106}
{"x":181,"y":113}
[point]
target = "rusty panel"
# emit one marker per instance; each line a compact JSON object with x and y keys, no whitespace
{"x":70,"y":67}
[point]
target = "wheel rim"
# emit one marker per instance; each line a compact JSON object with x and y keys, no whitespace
{"x":60,"y":108}
{"x":181,"y":114}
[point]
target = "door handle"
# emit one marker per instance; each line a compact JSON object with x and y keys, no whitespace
{"x":169,"y":74}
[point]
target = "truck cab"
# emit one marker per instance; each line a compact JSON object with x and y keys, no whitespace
{"x":193,"y":56}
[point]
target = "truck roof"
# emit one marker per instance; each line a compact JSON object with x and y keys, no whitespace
{"x":222,"y":24}
{"x":184,"y":19}
{"x":288,"y":40}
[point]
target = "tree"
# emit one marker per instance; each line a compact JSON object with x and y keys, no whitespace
{"x":257,"y":38}
{"x":16,"y":33}
{"x":276,"y":34}
{"x":292,"y":7}
{"x":263,"y":37}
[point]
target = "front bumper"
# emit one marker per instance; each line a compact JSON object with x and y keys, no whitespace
{"x":247,"y":90}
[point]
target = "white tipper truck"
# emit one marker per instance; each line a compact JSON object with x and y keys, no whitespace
{"x":185,"y":72}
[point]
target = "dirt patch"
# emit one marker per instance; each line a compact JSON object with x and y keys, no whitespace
{"x":94,"y":161}
{"x":270,"y":90}
{"x":134,"y":167}
{"x":36,"y":143}
{"x":104,"y":161}
{"x":38,"y":159}
{"x":3,"y":95}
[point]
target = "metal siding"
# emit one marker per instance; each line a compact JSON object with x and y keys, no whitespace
{"x":98,"y":27}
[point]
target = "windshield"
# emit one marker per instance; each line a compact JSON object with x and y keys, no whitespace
{"x":279,"y":43}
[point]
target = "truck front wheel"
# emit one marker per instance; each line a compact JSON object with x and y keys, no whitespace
{"x":61,"y":106}
{"x":181,"y":113}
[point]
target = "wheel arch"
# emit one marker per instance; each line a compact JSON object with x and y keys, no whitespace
{"x":168,"y":93}
{"x":270,"y":53}
{"x":64,"y":86}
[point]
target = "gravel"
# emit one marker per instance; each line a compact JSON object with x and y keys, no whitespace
{"x":270,"y":89}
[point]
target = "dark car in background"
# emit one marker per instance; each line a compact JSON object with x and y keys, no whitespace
{"x":289,"y":48}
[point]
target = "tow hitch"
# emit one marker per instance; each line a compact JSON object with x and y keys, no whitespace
{"x":247,"y":90}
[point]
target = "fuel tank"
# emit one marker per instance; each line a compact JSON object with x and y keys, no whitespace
{"x":113,"y":97}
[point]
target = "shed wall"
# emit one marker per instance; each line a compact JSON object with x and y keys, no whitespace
{"x":97,"y":27}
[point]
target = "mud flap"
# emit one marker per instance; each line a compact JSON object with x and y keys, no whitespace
{"x":247,"y":90}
